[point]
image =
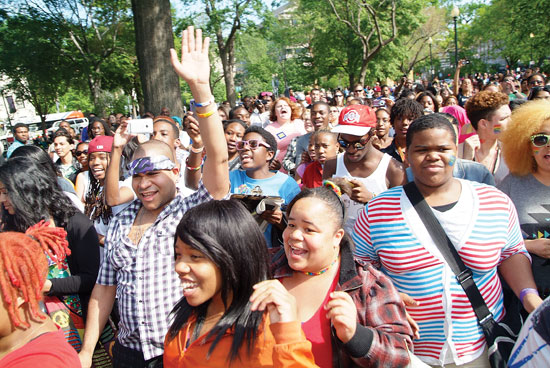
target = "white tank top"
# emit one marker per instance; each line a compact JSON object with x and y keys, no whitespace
{"x":375,"y":183}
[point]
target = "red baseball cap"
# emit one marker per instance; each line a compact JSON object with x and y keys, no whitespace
{"x":355,"y":120}
{"x":101,"y":143}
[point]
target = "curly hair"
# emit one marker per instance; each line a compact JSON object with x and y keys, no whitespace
{"x":34,"y":195}
{"x":406,"y":108}
{"x":516,"y":138}
{"x":24,"y":267}
{"x":95,"y":205}
{"x":483,"y":104}
{"x":295,"y":109}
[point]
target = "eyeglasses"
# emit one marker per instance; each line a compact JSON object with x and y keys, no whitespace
{"x":360,"y":145}
{"x":338,"y":95}
{"x":252,"y":144}
{"x":536,"y":82}
{"x":540,"y":140}
{"x":78,"y":153}
{"x":358,"y":90}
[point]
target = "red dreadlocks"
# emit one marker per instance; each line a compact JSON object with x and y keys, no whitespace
{"x":23,"y":266}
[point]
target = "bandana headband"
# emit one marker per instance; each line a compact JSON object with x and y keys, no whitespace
{"x":146,"y":164}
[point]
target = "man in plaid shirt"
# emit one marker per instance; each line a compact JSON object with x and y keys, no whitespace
{"x":138,"y":266}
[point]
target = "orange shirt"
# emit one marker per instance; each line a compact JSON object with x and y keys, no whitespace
{"x":277,"y":345}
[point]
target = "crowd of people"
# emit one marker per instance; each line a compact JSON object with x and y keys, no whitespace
{"x":281,"y":232}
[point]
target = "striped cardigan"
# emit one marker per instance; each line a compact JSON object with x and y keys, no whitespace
{"x":390,"y":234}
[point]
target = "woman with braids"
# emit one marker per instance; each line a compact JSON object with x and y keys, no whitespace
{"x":96,"y":207}
{"x":29,"y":338}
{"x":217,"y":322}
{"x":28,"y":195}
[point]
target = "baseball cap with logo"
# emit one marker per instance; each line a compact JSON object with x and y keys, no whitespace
{"x":101,"y":143}
{"x":355,"y":120}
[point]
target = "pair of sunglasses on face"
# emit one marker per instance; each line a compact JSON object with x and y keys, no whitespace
{"x":78,"y":153}
{"x":359,"y":145}
{"x":540,"y":140}
{"x":251,"y":143}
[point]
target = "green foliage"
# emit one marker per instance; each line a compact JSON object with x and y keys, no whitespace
{"x":37,"y":72}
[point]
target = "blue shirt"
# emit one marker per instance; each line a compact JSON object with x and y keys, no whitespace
{"x":15,"y":145}
{"x":279,"y":185}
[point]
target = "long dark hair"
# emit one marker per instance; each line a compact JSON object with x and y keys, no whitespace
{"x":34,"y":195}
{"x":39,"y":156}
{"x":95,"y":205}
{"x":226,"y":233}
{"x":106,"y":127}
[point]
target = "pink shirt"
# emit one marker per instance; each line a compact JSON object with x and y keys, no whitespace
{"x":284,"y":134}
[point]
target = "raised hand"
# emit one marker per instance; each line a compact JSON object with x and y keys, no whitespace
{"x":194,"y":66}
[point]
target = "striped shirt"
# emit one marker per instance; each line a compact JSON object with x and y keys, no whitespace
{"x":390,"y":234}
{"x":147,"y":285}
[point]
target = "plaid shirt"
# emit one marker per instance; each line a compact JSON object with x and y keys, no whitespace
{"x":382,"y":333}
{"x":147,"y":285}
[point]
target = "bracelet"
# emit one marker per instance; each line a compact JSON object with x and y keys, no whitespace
{"x":199,"y":150}
{"x":526,"y":291}
{"x":190,"y":168}
{"x":204,"y":104}
{"x":206,"y":114}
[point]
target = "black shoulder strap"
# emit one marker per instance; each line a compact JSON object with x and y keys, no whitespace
{"x":447,"y":249}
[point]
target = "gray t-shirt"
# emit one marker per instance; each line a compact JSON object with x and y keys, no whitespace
{"x":532,"y":201}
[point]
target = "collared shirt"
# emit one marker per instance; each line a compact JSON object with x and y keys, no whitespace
{"x":147,"y":285}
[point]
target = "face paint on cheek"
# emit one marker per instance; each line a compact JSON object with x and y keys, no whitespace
{"x":497,"y":128}
{"x":452,"y":160}
{"x":536,"y":150}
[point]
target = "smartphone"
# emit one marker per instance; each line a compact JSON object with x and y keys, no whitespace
{"x":140,"y":126}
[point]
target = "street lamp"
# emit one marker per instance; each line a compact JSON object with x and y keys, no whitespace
{"x":455,"y":13}
{"x":532,"y":35}
{"x":430,"y":41}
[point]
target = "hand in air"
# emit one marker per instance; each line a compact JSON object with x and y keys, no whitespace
{"x":192,"y":128}
{"x":280,"y":304}
{"x":194,"y":66}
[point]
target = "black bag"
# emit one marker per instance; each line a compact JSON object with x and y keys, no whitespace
{"x":500,"y":336}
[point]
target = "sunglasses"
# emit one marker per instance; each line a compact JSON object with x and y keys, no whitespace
{"x":252,"y":144}
{"x":338,"y":95}
{"x":540,"y":140}
{"x":358,"y":90}
{"x":78,"y":153}
{"x":361,"y":144}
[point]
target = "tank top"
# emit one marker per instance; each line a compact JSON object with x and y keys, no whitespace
{"x":375,"y":183}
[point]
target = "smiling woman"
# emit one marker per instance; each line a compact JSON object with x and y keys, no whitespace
{"x":215,"y":322}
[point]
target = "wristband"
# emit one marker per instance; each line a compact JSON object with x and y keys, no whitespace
{"x":206,"y":114}
{"x":190,"y":168}
{"x":204,"y":104}
{"x":526,"y":291}
{"x":198,"y":150}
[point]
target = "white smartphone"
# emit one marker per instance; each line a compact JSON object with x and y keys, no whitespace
{"x":140,"y":126}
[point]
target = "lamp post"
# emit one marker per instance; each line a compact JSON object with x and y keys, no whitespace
{"x":430,"y":41}
{"x":455,"y":13}
{"x":531,"y":36}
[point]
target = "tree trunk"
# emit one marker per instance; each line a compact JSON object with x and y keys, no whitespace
{"x":154,"y":38}
{"x":227,"y":57}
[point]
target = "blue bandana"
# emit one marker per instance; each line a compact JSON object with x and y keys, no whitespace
{"x":144,"y":165}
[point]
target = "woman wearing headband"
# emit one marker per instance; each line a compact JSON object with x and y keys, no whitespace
{"x":335,"y":293}
{"x":526,"y":150}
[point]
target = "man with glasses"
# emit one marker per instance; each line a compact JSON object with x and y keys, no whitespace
{"x":359,"y":90}
{"x":365,"y":169}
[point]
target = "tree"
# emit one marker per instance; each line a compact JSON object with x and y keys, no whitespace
{"x":91,"y":31}
{"x":154,"y":37}
{"x":224,"y":21}
{"x":416,"y":44}
{"x":375,"y":23}
{"x":37,"y":72}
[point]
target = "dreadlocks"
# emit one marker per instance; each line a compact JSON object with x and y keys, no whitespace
{"x":95,"y":206}
{"x":23,"y":266}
